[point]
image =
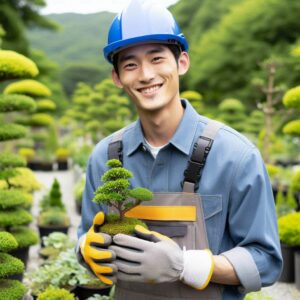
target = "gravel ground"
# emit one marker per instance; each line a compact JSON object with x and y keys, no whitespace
{"x":278,"y":291}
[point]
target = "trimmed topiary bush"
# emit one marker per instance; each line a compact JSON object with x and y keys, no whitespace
{"x":55,"y":293}
{"x":289,"y":229}
{"x":11,"y":289}
{"x":45,"y":105}
{"x":18,"y":216}
{"x":292,"y":98}
{"x":11,"y":198}
{"x":40,"y":120}
{"x":7,"y":242}
{"x":15,"y":65}
{"x":24,"y":236}
{"x":28,"y":87}
{"x":27,"y":153}
{"x":9,"y":103}
{"x":292,"y":128}
{"x":53,"y":217}
{"x":12,"y":132}
{"x":10,"y":160}
{"x":10,"y":265}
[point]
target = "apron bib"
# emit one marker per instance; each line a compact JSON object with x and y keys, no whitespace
{"x":177,"y":215}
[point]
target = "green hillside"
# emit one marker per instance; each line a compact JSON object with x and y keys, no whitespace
{"x":80,"y":38}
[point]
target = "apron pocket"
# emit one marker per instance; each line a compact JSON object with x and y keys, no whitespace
{"x":170,"y":229}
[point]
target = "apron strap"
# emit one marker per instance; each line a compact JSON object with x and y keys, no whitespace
{"x":193,"y":172}
{"x":115,"y":147}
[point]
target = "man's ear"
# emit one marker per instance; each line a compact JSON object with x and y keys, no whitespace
{"x":183,"y":63}
{"x":116,"y":79}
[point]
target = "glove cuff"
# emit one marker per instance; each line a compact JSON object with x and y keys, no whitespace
{"x":198,"y":267}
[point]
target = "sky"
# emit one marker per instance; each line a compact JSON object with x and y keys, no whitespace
{"x":89,"y":6}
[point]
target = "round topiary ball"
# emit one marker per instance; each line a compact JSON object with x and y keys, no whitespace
{"x":292,"y":128}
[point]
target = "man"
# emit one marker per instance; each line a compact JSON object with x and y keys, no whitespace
{"x":212,"y":224}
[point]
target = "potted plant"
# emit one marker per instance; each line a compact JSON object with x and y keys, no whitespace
{"x":289,"y":233}
{"x":53,"y":215}
{"x":110,"y":296}
{"x":55,"y":243}
{"x":9,"y":265}
{"x":62,"y":155}
{"x":29,"y":155}
{"x":54,"y":293}
{"x":115,"y":193}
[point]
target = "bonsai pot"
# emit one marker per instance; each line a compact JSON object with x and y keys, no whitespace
{"x":46,"y":166}
{"x":83,"y":291}
{"x":78,"y":207}
{"x":288,"y":271}
{"x":62,"y":165}
{"x":297,"y":269}
{"x":45,"y":230}
{"x":22,"y":254}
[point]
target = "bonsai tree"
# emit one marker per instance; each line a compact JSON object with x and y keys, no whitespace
{"x":115,"y":193}
{"x":9,"y":265}
{"x":232,"y":112}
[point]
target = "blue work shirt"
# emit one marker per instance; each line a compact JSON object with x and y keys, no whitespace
{"x":237,"y":195}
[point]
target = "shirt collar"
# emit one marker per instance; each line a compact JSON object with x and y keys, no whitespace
{"x":183,"y":137}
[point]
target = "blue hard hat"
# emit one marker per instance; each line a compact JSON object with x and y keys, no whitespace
{"x":143,"y":21}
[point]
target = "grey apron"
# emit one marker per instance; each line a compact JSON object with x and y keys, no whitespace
{"x":187,"y":233}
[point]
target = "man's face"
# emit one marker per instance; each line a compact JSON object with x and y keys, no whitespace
{"x":149,"y":74}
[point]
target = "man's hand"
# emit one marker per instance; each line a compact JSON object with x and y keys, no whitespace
{"x":152,"y":257}
{"x":95,"y":252}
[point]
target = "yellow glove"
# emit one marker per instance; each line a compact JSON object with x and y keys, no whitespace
{"x":94,"y":249}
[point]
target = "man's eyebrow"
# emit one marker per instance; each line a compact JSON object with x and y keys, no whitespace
{"x":132,"y":56}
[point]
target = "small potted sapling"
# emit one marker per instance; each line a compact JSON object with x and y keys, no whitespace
{"x":115,"y":193}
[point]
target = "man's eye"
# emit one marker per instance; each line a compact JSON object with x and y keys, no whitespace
{"x":157,"y":59}
{"x":129,"y":66}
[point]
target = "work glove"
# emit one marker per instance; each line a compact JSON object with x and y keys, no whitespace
{"x":95,"y":252}
{"x":154,"y":258}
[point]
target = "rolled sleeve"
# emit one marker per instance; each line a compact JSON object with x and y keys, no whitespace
{"x":245,"y":268}
{"x":252,"y":219}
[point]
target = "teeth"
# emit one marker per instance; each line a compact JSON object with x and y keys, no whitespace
{"x":150,"y":90}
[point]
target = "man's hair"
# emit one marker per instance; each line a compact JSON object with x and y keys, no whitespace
{"x":174,"y":48}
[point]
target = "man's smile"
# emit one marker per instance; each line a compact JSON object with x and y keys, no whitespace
{"x":149,"y":89}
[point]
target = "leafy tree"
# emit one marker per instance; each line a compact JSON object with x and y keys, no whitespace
{"x":15,"y":16}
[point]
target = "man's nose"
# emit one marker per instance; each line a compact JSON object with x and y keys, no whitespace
{"x":146,"y":73}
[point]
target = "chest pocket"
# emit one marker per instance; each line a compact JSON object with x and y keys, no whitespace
{"x":212,"y":209}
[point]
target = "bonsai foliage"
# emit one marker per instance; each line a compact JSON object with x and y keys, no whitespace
{"x":12,"y":102}
{"x":291,"y":99}
{"x":9,"y":265}
{"x":28,"y":87}
{"x":289,"y":229}
{"x":54,"y":293}
{"x":55,"y":197}
{"x":232,"y":112}
{"x":15,"y":65}
{"x":115,"y":191}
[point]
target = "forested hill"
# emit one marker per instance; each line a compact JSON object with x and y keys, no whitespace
{"x":79,"y":40}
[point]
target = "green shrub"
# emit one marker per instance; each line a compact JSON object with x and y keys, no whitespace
{"x":11,"y":132}
{"x":28,"y":87}
{"x":272,"y":170}
{"x":231,"y":105}
{"x":11,"y":198}
{"x":289,"y":229}
{"x":10,"y":160}
{"x":15,"y":65}
{"x":58,"y":240}
{"x":12,"y":102}
{"x":45,"y":105}
{"x":55,"y":197}
{"x":41,"y":119}
{"x":292,"y":128}
{"x":53,"y":217}
{"x":54,"y":293}
{"x":27,"y":153}
{"x":11,"y":289}
{"x":292,"y":98}
{"x":10,"y":265}
{"x":15,"y":217}
{"x":7,"y":242}
{"x":62,"y":154}
{"x":40,"y":136}
{"x":24,"y":236}
{"x":111,"y":295}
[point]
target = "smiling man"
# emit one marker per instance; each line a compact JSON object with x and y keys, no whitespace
{"x":212,"y":223}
